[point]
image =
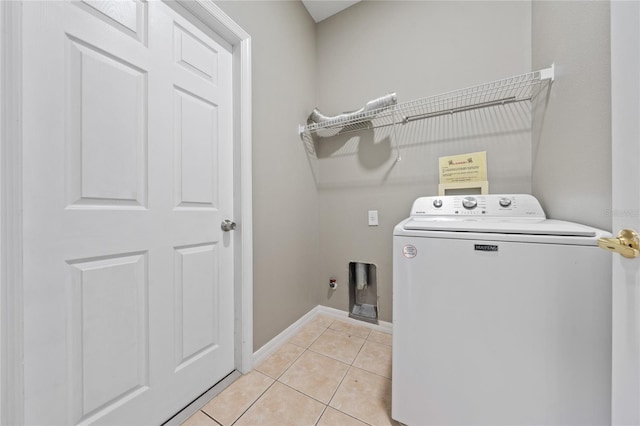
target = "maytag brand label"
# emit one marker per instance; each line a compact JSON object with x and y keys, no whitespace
{"x":485,"y":247}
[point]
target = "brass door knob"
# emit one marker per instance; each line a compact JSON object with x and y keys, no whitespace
{"x":626,"y":243}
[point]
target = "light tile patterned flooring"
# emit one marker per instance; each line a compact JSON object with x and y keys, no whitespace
{"x":331,"y":373}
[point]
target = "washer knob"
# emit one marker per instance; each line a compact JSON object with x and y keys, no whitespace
{"x":469,"y":203}
{"x":505,"y":202}
{"x":437,"y":203}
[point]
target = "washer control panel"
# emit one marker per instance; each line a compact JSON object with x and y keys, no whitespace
{"x":492,"y":205}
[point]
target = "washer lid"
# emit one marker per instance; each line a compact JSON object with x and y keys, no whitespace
{"x":497,"y":226}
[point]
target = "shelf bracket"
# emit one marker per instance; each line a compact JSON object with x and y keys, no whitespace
{"x":548,"y":73}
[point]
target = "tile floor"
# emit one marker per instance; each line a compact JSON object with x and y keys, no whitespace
{"x":331,"y":373}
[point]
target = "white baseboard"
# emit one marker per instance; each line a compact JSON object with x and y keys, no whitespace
{"x":274,"y":344}
{"x":383,"y":326}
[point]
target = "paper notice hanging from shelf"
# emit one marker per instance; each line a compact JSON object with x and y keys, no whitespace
{"x":462,"y":168}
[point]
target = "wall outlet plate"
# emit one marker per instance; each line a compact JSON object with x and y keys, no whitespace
{"x":373,"y":217}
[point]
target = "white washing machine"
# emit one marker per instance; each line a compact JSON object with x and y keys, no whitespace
{"x":500,"y":316}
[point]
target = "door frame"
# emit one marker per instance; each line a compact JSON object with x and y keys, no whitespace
{"x":11,"y":243}
{"x":625,"y":107}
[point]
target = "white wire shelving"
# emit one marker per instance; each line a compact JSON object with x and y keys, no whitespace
{"x":510,"y":90}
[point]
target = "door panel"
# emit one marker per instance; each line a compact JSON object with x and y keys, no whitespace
{"x":195,"y":128}
{"x":107,"y":134}
{"x":196,"y":302}
{"x":108,"y":354}
{"x":127,"y":176}
{"x":129,"y":16}
{"x":196,"y":55}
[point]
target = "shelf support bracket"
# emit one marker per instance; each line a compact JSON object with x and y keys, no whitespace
{"x":548,"y":73}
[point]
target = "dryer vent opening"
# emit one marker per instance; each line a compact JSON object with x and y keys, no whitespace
{"x":363,"y":292}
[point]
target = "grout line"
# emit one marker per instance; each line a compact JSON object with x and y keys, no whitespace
{"x":326,"y":405}
{"x":353,"y":417}
{"x":316,"y":339}
{"x":333,"y":358}
{"x":288,"y":367}
{"x":343,"y":316}
{"x":214,"y":419}
{"x":312,"y":397}
{"x":349,"y":365}
{"x":338,"y":388}
{"x":346,"y":333}
{"x":352,"y":325}
{"x":329,"y":357}
{"x":202,"y":400}
{"x":362,"y":369}
{"x":286,"y":335}
{"x":308,"y":396}
{"x":313,"y":341}
{"x":321,"y":414}
{"x":379,"y":343}
{"x":371,"y":372}
{"x":216,"y":422}
{"x":347,"y":373}
{"x":359,"y":350}
{"x":342,"y":381}
{"x":294,"y":344}
{"x":254,"y":402}
{"x":302,"y":393}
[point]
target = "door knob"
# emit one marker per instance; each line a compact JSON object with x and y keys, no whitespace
{"x":228,"y":225}
{"x":626,"y":243}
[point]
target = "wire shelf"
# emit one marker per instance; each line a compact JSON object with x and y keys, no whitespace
{"x":501,"y":92}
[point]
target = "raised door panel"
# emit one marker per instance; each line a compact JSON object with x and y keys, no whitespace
{"x":107,"y":129}
{"x":195,"y":55}
{"x":108,"y":332}
{"x":128,"y":16}
{"x":196,"y":150}
{"x":196,"y":302}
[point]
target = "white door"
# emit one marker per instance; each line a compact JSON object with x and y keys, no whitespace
{"x":625,"y":88}
{"x":128,"y":286}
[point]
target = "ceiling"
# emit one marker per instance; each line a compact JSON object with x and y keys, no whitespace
{"x":322,"y":9}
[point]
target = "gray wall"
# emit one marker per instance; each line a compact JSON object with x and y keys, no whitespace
{"x":310,"y":207}
{"x":572,"y":134}
{"x":416,"y":49}
{"x":285,"y":199}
